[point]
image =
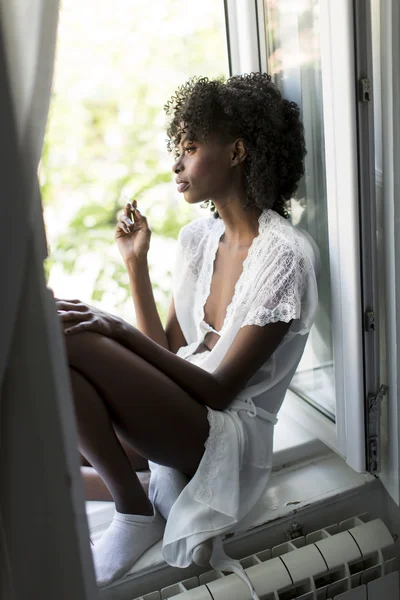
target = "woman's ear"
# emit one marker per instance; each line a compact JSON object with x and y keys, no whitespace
{"x":239,"y":152}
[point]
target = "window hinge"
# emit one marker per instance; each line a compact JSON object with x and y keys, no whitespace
{"x":364,"y":90}
{"x":374,"y":430}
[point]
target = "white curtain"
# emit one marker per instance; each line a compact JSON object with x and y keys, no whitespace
{"x":44,"y":547}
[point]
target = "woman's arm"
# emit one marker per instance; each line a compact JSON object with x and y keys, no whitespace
{"x":133,"y":236}
{"x":250,"y":349}
{"x":147,"y":318}
{"x":197,"y":382}
{"x":173,"y":330}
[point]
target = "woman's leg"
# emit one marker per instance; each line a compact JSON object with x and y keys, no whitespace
{"x":114,"y":389}
{"x":150,"y":412}
{"x":99,"y":444}
{"x":94,"y":486}
{"x":138,"y":462}
{"x":96,"y":489}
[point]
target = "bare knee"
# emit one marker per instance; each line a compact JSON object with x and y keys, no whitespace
{"x":80,"y":345}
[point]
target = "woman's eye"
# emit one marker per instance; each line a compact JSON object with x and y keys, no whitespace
{"x":190,"y":149}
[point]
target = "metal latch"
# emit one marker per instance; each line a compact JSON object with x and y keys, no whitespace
{"x":374,"y":430}
{"x":369,"y":321}
{"x":365,"y":90}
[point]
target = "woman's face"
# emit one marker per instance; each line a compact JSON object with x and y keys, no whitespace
{"x":203,"y":169}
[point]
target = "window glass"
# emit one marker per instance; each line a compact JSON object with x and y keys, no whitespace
{"x":294,"y":61}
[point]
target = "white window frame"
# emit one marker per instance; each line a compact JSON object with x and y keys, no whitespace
{"x":246,"y":26}
{"x":386,"y":48}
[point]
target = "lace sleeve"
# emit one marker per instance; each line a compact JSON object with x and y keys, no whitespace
{"x":288,"y":291}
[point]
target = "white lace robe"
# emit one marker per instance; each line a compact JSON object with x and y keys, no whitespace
{"x":278,"y":283}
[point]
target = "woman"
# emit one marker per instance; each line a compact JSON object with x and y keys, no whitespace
{"x":201,"y":396}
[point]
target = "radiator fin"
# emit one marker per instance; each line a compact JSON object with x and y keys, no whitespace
{"x":353,"y":560}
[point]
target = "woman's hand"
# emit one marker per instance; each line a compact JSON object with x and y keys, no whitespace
{"x":132,"y":236}
{"x":76,"y":316}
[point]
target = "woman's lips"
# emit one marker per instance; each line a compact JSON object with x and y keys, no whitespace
{"x":182,"y":187}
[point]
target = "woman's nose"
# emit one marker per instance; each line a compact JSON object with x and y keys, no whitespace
{"x":177,"y":166}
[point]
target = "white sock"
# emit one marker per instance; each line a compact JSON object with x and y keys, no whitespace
{"x":165,"y":486}
{"x":126,"y":539}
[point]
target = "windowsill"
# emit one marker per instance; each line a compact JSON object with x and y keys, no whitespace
{"x":299,"y":490}
{"x":310,"y":420}
{"x":293,"y":443}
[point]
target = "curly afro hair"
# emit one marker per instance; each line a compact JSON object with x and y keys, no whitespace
{"x":252,"y":108}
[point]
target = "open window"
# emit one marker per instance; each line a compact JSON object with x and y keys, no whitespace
{"x":336,"y":61}
{"x":317,"y":54}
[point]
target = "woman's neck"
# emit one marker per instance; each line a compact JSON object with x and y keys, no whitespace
{"x":241,"y":224}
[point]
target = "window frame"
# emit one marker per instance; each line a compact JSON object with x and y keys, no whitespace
{"x":340,"y":129}
{"x":386,"y":56}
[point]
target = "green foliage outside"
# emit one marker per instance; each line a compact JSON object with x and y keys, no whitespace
{"x":117,"y":64}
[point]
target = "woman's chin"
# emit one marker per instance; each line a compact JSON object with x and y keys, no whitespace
{"x":190,"y":199}
{"x":193,"y":199}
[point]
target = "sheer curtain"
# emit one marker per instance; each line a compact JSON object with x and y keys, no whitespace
{"x":44,"y":546}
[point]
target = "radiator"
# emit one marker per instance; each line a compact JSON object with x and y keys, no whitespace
{"x":353,"y":560}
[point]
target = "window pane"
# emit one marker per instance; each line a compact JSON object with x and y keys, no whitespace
{"x":294,"y":61}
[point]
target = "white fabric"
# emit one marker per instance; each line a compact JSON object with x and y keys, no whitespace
{"x":278,"y":283}
{"x":165,"y":486}
{"x":53,"y":521}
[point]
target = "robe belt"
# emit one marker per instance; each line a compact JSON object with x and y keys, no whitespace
{"x":252,"y":410}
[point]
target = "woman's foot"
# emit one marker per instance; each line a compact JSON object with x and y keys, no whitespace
{"x":202,"y":554}
{"x":126,"y":539}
